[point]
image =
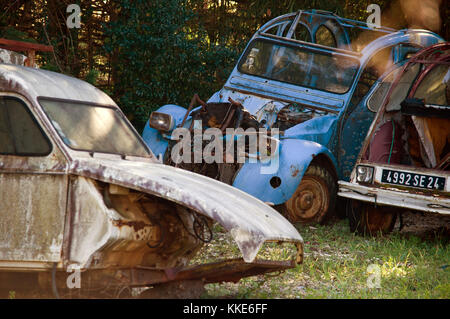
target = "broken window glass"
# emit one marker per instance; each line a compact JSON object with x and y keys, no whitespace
{"x":325,"y":37}
{"x":433,"y":87}
{"x":380,"y":92}
{"x":93,"y":128}
{"x":402,"y":88}
{"x":299,"y":66}
{"x":375,"y":67}
{"x":434,"y":131}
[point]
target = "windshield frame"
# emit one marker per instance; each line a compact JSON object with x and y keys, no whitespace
{"x":304,"y":47}
{"x":115,"y":108}
{"x":426,"y":72}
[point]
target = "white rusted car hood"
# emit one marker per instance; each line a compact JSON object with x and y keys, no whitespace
{"x":249,"y":220}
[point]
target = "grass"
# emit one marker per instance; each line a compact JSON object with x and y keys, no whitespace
{"x":336,"y":265}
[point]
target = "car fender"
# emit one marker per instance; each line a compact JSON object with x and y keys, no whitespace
{"x":294,"y":158}
{"x":249,"y":221}
{"x":320,"y":129}
{"x":153,"y":138}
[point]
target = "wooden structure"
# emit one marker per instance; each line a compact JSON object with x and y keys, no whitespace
{"x":29,"y":48}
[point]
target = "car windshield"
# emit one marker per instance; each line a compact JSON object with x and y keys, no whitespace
{"x":93,"y":128}
{"x":319,"y":70}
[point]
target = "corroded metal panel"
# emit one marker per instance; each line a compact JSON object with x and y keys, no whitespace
{"x":96,"y":229}
{"x":33,"y":83}
{"x":229,"y":270}
{"x":250,"y":221}
{"x":395,"y":197}
{"x":11,"y":57}
{"x":77,"y":220}
{"x":32,"y":213}
{"x":54,"y":163}
{"x":118,"y":234}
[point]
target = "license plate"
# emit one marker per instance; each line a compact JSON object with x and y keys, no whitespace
{"x":412,"y":179}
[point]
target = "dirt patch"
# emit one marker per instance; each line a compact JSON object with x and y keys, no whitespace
{"x":424,"y":225}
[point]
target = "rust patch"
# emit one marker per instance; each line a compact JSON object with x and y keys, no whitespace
{"x":294,"y":170}
{"x":136,"y":225}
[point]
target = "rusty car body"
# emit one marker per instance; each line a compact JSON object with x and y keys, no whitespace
{"x":404,"y":163}
{"x":307,"y":75}
{"x":79,"y":189}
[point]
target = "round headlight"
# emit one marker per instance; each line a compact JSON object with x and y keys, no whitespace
{"x":362,"y":170}
{"x":364,"y":174}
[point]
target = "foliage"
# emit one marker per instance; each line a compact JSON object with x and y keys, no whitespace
{"x":150,"y":53}
{"x":412,"y":263}
{"x":158,"y":60}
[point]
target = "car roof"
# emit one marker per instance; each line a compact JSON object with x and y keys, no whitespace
{"x":34,"y":83}
{"x":386,"y":36}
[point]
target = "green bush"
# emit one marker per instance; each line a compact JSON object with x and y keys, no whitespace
{"x":157,"y":60}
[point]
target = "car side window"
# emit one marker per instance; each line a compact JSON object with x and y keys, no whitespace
{"x":376,"y":99}
{"x":325,"y":37}
{"x":401,"y":52}
{"x":405,"y":52}
{"x":375,"y":67}
{"x":20,"y":134}
{"x":301,"y":32}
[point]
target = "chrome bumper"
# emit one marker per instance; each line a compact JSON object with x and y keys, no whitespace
{"x":397,"y":198}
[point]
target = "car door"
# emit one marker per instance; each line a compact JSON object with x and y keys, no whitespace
{"x":357,"y":116}
{"x":372,"y":86}
{"x":33,"y":188}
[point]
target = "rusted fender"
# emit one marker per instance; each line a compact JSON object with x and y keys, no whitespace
{"x":249,"y":221}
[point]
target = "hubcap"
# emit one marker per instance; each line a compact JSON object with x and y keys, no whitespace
{"x":309,"y":202}
{"x":305,"y":200}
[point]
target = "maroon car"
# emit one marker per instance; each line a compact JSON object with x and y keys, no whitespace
{"x":405,"y":160}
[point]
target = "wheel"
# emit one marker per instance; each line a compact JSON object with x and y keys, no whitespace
{"x":341,"y":207}
{"x":366,"y":219}
{"x":314,"y":199}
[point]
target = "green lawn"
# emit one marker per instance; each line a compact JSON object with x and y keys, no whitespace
{"x":336,"y":266}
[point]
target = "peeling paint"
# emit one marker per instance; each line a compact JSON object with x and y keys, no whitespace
{"x":108,"y":212}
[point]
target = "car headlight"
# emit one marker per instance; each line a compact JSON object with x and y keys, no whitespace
{"x":161,"y":121}
{"x":364,"y":174}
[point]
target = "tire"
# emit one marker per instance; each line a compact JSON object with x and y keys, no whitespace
{"x":341,"y":207}
{"x":314,"y":199}
{"x":367,"y":219}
